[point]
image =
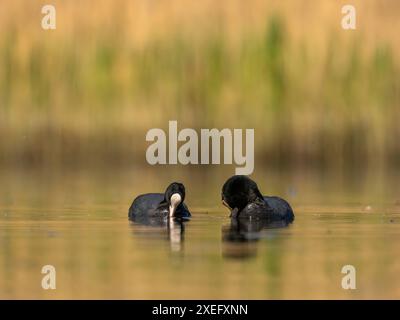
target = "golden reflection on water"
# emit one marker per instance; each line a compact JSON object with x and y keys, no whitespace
{"x":77,"y":221}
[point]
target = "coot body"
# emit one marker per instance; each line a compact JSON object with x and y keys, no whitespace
{"x":155,"y":206}
{"x":242,"y":196}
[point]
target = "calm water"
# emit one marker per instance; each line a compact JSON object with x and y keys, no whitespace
{"x":77,"y":221}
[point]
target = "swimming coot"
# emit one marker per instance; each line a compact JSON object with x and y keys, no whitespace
{"x":157,"y":205}
{"x":241,"y":195}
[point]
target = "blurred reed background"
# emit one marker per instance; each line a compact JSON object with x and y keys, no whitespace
{"x":86,"y":93}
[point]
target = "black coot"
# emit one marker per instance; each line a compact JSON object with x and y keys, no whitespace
{"x":156,"y":206}
{"x":241,"y":195}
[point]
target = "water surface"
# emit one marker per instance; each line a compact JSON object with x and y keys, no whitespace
{"x":77,"y":222}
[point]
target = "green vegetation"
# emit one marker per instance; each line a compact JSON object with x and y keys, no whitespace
{"x":76,"y":99}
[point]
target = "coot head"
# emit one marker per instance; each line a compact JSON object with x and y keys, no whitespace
{"x":238,"y":191}
{"x":174,"y":196}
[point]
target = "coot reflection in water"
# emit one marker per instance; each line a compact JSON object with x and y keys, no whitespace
{"x":171,"y":229}
{"x":240,"y":238}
